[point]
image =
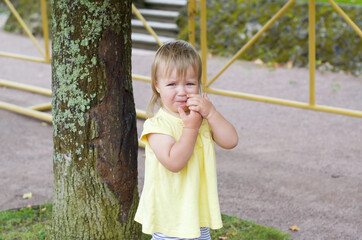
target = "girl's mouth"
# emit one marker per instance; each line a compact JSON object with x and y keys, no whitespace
{"x":181,"y":101}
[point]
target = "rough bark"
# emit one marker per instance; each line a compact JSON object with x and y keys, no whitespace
{"x":94,"y":121}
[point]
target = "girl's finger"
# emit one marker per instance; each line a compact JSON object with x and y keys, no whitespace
{"x":192,"y":101}
{"x":194,"y":114}
{"x":194,"y":108}
{"x":205,"y":96}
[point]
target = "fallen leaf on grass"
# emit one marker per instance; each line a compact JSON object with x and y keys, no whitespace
{"x":43,"y":210}
{"x":289,"y":64}
{"x":224,"y":237}
{"x":27,"y":195}
{"x":258,"y":62}
{"x":29,"y":206}
{"x":294,"y":228}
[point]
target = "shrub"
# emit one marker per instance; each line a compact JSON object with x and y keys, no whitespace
{"x":232,"y":23}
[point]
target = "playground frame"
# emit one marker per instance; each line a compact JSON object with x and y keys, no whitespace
{"x":35,"y":111}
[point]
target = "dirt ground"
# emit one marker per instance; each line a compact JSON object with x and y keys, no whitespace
{"x":291,"y":167}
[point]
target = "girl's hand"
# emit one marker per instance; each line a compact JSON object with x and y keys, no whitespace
{"x":201,"y":104}
{"x":192,"y":120}
{"x":223,"y":132}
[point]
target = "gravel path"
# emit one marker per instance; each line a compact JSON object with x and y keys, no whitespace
{"x":291,"y":167}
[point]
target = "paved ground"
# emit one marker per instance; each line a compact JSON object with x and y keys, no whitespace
{"x":291,"y":167}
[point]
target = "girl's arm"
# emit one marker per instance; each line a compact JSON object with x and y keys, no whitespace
{"x":223,"y":132}
{"x":175,"y":155}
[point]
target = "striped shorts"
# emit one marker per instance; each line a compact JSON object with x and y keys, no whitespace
{"x":205,"y":235}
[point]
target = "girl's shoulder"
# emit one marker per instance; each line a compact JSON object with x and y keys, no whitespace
{"x":163,"y":118}
{"x":162,"y":122}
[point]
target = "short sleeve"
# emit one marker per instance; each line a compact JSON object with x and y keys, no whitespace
{"x":155,"y":125}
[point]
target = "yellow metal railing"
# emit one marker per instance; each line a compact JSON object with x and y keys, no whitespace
{"x":34,"y":111}
{"x":191,"y":13}
{"x":145,"y":24}
{"x":346,"y":18}
{"x":312,"y":59}
{"x":246,"y":46}
{"x":311,"y":52}
{"x":45,"y":54}
{"x":192,"y":10}
{"x":25,"y":87}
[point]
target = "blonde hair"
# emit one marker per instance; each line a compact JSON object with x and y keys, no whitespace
{"x":179,"y":55}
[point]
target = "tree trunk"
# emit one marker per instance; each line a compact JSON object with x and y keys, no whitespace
{"x":94,"y":121}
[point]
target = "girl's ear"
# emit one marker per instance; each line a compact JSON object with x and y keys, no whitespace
{"x":156,"y":87}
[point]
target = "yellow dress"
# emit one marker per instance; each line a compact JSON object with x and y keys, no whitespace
{"x":178,"y":204}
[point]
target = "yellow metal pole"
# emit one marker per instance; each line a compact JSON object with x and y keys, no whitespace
{"x":45,"y":29}
{"x":346,"y":18}
{"x":284,"y":102}
{"x":203,"y":42}
{"x":149,"y":29}
{"x":312,"y":52}
{"x":23,"y":57}
{"x":25,"y":87}
{"x":25,"y":111}
{"x":191,"y":9}
{"x":141,"y":144}
{"x":141,"y":78}
{"x":35,"y":114}
{"x":141,"y":114}
{"x":48,"y":106}
{"x":253,"y":39}
{"x":41,"y":107}
{"x":26,"y":29}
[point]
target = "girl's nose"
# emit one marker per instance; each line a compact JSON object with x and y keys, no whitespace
{"x":181,"y":90}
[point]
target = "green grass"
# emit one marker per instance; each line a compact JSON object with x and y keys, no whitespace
{"x":34,"y":223}
{"x":26,"y":223}
{"x":356,"y":2}
{"x":237,"y":229}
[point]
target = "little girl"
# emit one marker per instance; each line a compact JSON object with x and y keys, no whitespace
{"x":180,"y":198}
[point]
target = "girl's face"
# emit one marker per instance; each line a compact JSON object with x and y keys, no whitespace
{"x":174,"y":89}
